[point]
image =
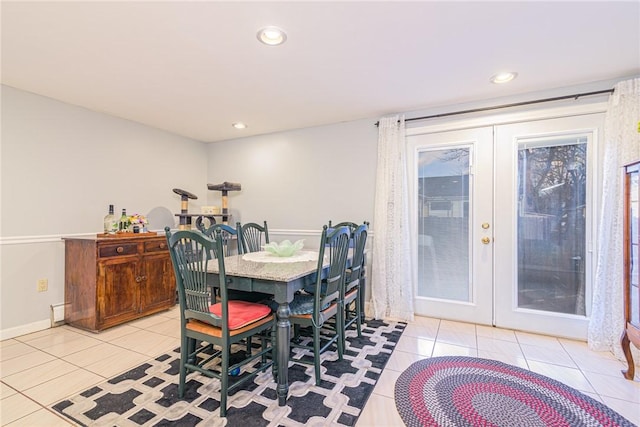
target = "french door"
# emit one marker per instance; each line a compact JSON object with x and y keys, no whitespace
{"x":503,"y":216}
{"x":453,"y":208}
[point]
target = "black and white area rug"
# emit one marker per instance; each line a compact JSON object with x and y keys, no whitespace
{"x":148,"y":394}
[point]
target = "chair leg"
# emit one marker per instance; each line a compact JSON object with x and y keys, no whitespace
{"x":274,"y":351}
{"x":345,"y":325}
{"x":358,"y":315}
{"x":224,"y":381}
{"x":263,"y":345}
{"x":185,"y":353}
{"x":316,"y":353}
{"x":340,"y":330}
{"x":296,"y":331}
{"x":353,"y":316}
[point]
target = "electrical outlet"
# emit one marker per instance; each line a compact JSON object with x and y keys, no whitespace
{"x":43,"y":285}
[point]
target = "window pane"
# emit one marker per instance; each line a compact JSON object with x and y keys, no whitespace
{"x":551,"y":225}
{"x":443,"y":224}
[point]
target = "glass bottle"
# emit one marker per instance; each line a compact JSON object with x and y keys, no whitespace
{"x":123,"y":224}
{"x":110,"y":223}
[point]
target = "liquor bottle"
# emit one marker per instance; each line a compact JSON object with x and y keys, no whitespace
{"x":110,"y":222}
{"x":123,"y":224}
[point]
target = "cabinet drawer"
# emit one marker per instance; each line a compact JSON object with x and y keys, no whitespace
{"x":118,"y":250}
{"x":156,"y":246}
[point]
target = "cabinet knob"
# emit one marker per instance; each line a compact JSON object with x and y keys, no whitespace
{"x":162,"y":245}
{"x":138,"y":279}
{"x":119,"y":249}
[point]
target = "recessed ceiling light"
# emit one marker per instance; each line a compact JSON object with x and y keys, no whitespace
{"x":239,"y":125}
{"x":503,"y":77}
{"x":271,"y":36}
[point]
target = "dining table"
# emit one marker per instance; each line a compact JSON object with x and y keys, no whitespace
{"x":281,"y":277}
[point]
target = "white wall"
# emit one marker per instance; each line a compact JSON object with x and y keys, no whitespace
{"x":299,"y":179}
{"x":61,"y":166}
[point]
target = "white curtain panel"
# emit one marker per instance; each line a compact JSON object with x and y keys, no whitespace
{"x":391,"y":286}
{"x":622,"y":146}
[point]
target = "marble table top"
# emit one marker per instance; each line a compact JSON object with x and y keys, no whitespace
{"x":236,"y":265}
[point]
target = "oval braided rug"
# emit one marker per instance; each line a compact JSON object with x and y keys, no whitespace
{"x":468,"y":391}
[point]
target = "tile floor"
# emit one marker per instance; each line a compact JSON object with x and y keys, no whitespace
{"x":42,"y":368}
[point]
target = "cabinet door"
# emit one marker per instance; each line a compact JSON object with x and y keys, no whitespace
{"x":118,"y":291}
{"x":158,"y":288}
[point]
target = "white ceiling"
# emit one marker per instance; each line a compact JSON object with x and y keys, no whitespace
{"x":193,"y":68}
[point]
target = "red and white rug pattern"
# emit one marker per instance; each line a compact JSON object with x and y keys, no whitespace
{"x":468,"y":391}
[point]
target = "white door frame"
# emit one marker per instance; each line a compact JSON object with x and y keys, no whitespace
{"x":520,"y":117}
{"x":478,"y":309}
{"x":506,"y":311}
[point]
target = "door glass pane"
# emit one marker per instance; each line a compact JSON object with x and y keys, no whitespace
{"x":552,"y":224}
{"x":443,"y":224}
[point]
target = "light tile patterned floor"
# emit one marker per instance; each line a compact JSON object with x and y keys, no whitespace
{"x":44,"y":367}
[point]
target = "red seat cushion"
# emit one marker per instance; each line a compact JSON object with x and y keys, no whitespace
{"x":241,"y":313}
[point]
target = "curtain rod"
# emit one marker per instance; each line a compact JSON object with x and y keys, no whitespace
{"x":516,"y":104}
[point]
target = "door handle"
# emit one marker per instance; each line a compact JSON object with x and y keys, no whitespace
{"x":486,"y":240}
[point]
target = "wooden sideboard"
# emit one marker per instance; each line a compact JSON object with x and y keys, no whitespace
{"x":631,"y":252}
{"x":111,"y":280}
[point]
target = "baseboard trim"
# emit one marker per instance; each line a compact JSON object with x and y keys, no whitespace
{"x":29,"y":328}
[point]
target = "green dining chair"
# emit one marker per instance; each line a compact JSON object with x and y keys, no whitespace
{"x":253,"y":236}
{"x":229,"y":235}
{"x":230,"y":244}
{"x":209,"y":332}
{"x":310,"y":287}
{"x":325,"y":304}
{"x":352,"y":298}
{"x":233,"y":244}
